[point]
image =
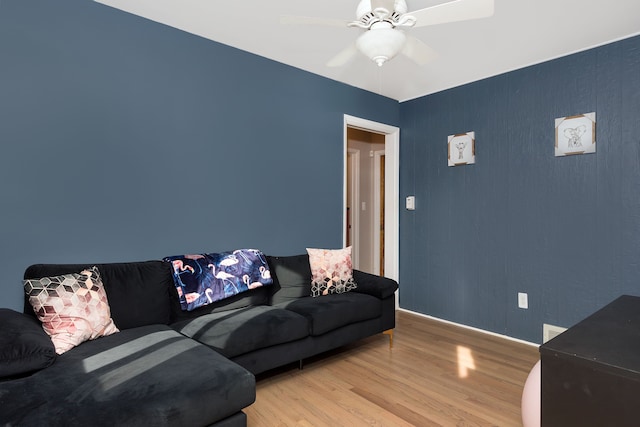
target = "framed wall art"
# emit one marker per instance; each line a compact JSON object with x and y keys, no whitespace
{"x":576,"y":135}
{"x":462,"y":149}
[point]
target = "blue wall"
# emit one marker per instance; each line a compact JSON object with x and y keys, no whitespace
{"x":123,"y":139}
{"x":565,"y":230}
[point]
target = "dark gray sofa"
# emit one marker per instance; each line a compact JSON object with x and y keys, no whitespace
{"x":170,"y":367}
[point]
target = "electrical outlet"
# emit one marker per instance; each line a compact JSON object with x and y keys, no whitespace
{"x":523,"y":300}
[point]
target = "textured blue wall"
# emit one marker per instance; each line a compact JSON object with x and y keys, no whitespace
{"x":565,"y":230}
{"x":123,"y":139}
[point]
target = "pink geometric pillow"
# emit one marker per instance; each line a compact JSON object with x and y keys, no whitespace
{"x":331,"y":271}
{"x":73,"y":308}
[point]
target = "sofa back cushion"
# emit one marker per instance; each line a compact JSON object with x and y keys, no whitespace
{"x":291,"y":277}
{"x":138,"y":292}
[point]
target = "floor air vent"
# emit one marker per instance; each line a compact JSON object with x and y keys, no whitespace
{"x":551,"y":331}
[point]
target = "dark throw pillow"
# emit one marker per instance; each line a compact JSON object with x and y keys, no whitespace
{"x":24,"y":345}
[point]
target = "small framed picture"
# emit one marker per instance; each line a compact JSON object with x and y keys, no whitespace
{"x":576,"y":135}
{"x":462,"y":149}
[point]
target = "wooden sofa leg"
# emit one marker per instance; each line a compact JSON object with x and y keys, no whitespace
{"x":300,"y":364}
{"x":390,"y":333}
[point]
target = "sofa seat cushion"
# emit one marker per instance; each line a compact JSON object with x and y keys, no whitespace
{"x":240,"y":331}
{"x":330,"y":312}
{"x":149,"y":375}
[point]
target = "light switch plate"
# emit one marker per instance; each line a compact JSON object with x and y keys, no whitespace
{"x":523,"y":300}
{"x":411,"y":203}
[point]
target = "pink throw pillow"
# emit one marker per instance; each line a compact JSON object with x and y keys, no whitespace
{"x":73,"y":308}
{"x":331,"y":271}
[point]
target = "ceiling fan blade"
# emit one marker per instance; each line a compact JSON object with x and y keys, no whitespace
{"x":454,"y":11}
{"x":310,"y":20}
{"x":417,"y":51}
{"x":343,"y":56}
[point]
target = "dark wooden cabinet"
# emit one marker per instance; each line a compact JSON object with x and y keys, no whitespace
{"x":591,"y":372}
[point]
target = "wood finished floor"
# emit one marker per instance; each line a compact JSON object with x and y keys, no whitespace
{"x":436,"y":374}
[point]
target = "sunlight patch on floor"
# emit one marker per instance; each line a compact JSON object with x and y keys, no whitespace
{"x":465,"y":361}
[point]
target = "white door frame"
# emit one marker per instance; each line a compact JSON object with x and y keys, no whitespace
{"x":377,"y":161}
{"x":355,"y":203}
{"x":391,"y":188}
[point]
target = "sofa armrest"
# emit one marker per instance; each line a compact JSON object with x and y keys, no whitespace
{"x":377,"y":286}
{"x":24,"y":346}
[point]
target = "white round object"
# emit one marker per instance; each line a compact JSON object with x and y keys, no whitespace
{"x":381,"y":43}
{"x":531,"y":398}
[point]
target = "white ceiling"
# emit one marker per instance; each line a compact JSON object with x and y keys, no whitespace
{"x":521,"y":33}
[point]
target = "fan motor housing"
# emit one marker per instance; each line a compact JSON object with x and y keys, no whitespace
{"x":365,"y":7}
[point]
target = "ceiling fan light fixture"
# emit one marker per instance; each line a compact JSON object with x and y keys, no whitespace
{"x":380,"y":44}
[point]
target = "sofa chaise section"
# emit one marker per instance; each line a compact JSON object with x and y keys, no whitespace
{"x":149,"y":375}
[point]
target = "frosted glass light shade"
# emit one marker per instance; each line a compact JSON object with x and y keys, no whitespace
{"x":381,"y":44}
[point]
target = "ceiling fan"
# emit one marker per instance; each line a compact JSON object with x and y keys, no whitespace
{"x":382,"y":21}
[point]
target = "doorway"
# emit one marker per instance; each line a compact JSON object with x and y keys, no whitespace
{"x":365,"y":206}
{"x":384,"y":213}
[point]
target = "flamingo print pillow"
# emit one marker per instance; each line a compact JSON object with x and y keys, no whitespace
{"x":201,"y":279}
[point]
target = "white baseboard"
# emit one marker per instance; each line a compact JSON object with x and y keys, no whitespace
{"x":506,"y":337}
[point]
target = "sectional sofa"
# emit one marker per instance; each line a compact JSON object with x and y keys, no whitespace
{"x":167,"y":366}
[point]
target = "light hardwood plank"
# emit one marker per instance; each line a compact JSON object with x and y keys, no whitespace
{"x":436,"y":374}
